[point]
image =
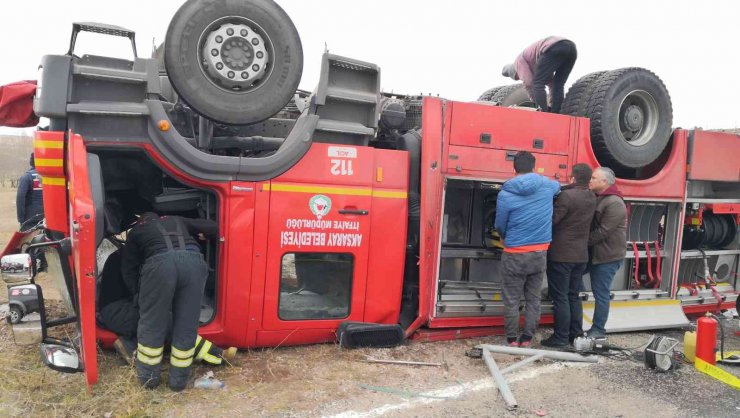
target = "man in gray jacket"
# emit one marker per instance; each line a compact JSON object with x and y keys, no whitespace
{"x":568,"y":255}
{"x":608,"y":242}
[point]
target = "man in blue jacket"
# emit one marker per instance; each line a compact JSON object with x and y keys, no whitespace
{"x":524,"y":221}
{"x":29,"y":200}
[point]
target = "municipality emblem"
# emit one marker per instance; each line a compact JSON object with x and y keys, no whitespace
{"x":320,"y":205}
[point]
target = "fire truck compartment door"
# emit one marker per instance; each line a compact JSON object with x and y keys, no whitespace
{"x":638,"y":315}
{"x":83,"y":231}
{"x":318,"y":242}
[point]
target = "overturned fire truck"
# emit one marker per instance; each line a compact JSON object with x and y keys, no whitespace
{"x":347,"y":203}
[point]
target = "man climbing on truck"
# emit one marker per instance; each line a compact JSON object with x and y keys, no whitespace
{"x":548,"y":61}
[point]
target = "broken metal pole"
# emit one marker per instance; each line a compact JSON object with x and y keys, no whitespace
{"x":503,"y":386}
{"x":555,"y":355}
{"x":522,"y":363}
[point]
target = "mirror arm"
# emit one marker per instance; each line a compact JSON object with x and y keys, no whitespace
{"x":61,"y":321}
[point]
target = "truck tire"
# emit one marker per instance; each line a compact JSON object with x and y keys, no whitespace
{"x":631,"y":117}
{"x":234,"y":62}
{"x":513,"y":95}
{"x":488,"y":94}
{"x":576,"y":100}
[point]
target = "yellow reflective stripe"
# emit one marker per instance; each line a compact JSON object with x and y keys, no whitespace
{"x":182,"y":354}
{"x":616,"y":304}
{"x":49,"y":162}
{"x":204,"y":350}
{"x":179,"y":362}
{"x":211,"y":359}
{"x":152,"y":361}
{"x":149,"y":351}
{"x":390,"y":194}
{"x":53,"y":181}
{"x":38,"y":143}
{"x":346,"y":191}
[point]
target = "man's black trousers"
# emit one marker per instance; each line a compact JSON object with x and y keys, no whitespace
{"x":170,"y":282}
{"x":564,"y":283}
{"x":554,"y":65}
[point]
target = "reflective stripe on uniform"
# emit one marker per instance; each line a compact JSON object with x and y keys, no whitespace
{"x":211,"y":359}
{"x":179,"y":362}
{"x":203,"y":350}
{"x":149,"y":351}
{"x":152,"y":361}
{"x":182,"y":354}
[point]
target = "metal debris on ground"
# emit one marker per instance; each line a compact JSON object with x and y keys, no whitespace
{"x":532,"y":356}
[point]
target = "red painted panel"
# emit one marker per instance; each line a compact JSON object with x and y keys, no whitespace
{"x":296,"y":336}
{"x":486,"y":162}
{"x":433,"y":118}
{"x":236,"y":274}
{"x":387,"y":253}
{"x":483,"y":321}
{"x":668,"y":183}
{"x":425,"y":335}
{"x":514,"y":129}
{"x":728,"y":208}
{"x":83,"y":251}
{"x":333,"y":164}
{"x":714,"y":156}
{"x":49,"y":145}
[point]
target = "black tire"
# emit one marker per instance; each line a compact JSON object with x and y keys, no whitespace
{"x":576,"y":100}
{"x":487,"y":95}
{"x":731,"y":231}
{"x":15,"y":315}
{"x":513,"y":95}
{"x":257,"y":34}
{"x":631,"y":117}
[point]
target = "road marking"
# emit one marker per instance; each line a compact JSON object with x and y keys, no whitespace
{"x":456,"y":391}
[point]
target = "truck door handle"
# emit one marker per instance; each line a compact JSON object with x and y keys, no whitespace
{"x":353,"y":212}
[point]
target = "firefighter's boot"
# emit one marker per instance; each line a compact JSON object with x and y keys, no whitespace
{"x":209,"y":353}
{"x":181,"y":362}
{"x":148,"y":365}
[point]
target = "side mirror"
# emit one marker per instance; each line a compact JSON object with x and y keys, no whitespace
{"x":60,"y":358}
{"x":25,"y":313}
{"x":16,"y":268}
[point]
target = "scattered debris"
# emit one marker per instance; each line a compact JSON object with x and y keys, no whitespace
{"x":403,"y":362}
{"x":402,"y":393}
{"x":532,"y":356}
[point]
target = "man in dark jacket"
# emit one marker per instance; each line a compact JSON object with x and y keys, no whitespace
{"x":548,"y":62}
{"x":163,"y":268}
{"x":608,"y":242}
{"x":29,"y":200}
{"x":524,"y":222}
{"x":568,"y":255}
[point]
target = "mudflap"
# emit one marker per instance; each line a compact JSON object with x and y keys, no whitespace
{"x":638,"y":315}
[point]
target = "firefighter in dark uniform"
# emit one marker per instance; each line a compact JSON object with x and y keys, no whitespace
{"x":29,"y":200}
{"x":119,"y":312}
{"x":163,"y":268}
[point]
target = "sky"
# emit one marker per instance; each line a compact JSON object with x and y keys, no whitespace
{"x":454,"y":49}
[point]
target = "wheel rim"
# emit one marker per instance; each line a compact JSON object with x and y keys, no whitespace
{"x":638,"y":117}
{"x":14,"y":316}
{"x":235,"y":54}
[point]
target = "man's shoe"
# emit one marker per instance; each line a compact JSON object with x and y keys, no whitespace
{"x":125,"y":349}
{"x":513,"y":344}
{"x":595,"y":334}
{"x":553,"y":343}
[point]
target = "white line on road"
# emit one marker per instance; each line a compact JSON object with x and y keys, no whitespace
{"x":456,"y":391}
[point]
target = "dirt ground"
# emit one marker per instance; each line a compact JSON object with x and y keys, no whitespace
{"x":326,"y":381}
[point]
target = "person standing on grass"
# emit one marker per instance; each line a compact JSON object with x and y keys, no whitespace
{"x":608,"y":243}
{"x":524,"y":222}
{"x":548,"y":62}
{"x":568,"y":255}
{"x":29,"y":199}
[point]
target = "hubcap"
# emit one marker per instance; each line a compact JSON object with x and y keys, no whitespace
{"x":638,"y":117}
{"x":235,"y":55}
